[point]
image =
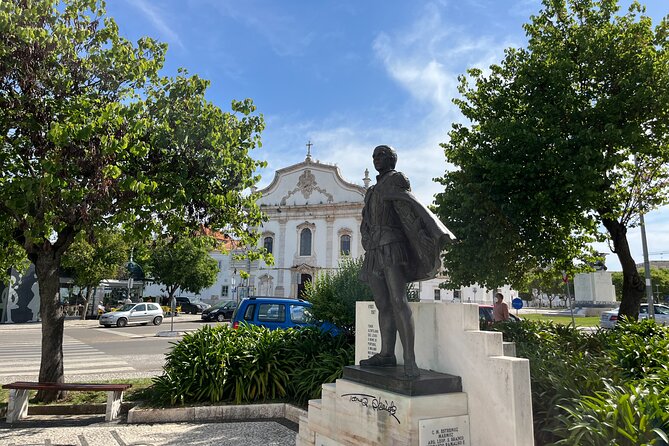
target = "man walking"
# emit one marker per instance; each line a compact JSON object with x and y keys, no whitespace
{"x":500,"y":311}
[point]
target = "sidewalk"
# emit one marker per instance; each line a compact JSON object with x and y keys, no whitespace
{"x":90,"y":431}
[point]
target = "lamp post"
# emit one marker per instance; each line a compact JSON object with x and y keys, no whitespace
{"x":646,"y":267}
{"x":646,"y":263}
{"x":565,"y":278}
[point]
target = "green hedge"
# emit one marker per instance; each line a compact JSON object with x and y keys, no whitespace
{"x":248,"y":364}
{"x":602,"y":388}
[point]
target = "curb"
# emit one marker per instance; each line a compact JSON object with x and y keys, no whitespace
{"x":139,"y":414}
{"x":145,"y":415}
{"x":75,"y":409}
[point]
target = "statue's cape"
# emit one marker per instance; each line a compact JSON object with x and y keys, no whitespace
{"x":426,"y":234}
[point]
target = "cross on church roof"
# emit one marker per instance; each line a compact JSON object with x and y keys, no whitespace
{"x":309,"y":144}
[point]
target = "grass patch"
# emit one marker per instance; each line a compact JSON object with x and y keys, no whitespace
{"x":581,"y":321}
{"x":136,"y":393}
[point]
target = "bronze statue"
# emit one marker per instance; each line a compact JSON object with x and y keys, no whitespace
{"x":403,"y":241}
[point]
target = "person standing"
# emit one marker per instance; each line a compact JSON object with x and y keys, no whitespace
{"x":403,"y":242}
{"x":500,"y":311}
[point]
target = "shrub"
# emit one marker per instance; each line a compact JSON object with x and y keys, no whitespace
{"x":251,"y":363}
{"x":578,"y":380}
{"x":627,"y":415}
{"x":334,"y":295}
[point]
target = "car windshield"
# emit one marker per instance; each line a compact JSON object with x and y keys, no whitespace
{"x":224,"y":304}
{"x":127,"y":307}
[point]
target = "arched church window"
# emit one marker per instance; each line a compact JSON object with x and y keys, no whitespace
{"x":305,"y":242}
{"x":345,"y":245}
{"x":268,"y":244}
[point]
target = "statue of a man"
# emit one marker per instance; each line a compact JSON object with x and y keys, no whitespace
{"x":403,"y":241}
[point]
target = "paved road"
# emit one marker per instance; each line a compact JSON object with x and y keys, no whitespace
{"x":91,"y":351}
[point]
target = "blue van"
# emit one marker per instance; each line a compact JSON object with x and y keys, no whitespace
{"x":277,"y":312}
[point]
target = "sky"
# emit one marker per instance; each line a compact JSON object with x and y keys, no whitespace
{"x":348,"y":75}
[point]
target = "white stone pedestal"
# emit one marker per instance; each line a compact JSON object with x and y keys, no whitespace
{"x":594,"y":288}
{"x":354,"y":414}
{"x":494,"y":408}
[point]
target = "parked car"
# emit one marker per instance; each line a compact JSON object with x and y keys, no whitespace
{"x":220,"y":312}
{"x":485,"y":314}
{"x":277,"y":312}
{"x":138,"y":313}
{"x":609,"y":319}
{"x":190,"y":306}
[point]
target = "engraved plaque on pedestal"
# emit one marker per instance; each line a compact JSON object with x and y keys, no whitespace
{"x":447,"y":431}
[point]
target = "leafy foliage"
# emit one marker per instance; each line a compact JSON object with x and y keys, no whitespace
{"x":609,"y":385}
{"x":659,"y":278}
{"x":334,"y":295}
{"x":567,"y":135}
{"x":92,"y":137}
{"x":250,"y":364}
{"x":92,"y":258}
{"x":183,"y":264}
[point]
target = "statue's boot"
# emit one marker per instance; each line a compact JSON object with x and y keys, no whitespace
{"x":379,"y":360}
{"x":411,"y":370}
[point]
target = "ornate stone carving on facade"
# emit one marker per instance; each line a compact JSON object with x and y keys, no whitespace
{"x":306,"y":184}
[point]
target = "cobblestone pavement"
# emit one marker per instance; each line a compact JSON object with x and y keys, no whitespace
{"x":86,"y":431}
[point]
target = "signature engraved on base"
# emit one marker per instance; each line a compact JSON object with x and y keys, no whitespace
{"x":374,"y":403}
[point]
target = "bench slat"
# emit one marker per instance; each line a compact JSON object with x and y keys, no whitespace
{"x":66,"y":386}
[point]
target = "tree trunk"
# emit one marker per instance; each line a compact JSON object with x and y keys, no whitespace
{"x":633,"y":285}
{"x":53,"y":318}
{"x":87,"y":302}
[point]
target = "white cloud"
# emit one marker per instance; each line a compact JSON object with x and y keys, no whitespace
{"x":156,"y":16}
{"x":424,"y":59}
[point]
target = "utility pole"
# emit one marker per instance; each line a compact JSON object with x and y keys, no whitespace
{"x":646,"y":267}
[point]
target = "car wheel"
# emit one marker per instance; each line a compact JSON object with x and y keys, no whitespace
{"x":157,"y":320}
{"x":220,"y":317}
{"x":108,"y":325}
{"x":122,"y":322}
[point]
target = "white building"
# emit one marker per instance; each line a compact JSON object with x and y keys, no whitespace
{"x":314,"y":218}
{"x":314,"y":222}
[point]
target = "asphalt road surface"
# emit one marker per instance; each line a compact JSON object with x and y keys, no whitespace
{"x":91,"y":351}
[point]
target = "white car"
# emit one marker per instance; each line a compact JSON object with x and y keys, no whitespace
{"x":609,"y":319}
{"x":139,"y":313}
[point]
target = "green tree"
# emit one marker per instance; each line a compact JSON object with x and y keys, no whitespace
{"x":183,"y":264}
{"x":12,"y":254}
{"x":567,"y":136}
{"x":92,"y":137}
{"x":334,"y":294}
{"x":92,"y":258}
{"x":659,"y":278}
{"x":545,"y":281}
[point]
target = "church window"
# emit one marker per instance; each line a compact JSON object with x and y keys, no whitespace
{"x":268,"y":244}
{"x":345,"y":245}
{"x":305,"y":242}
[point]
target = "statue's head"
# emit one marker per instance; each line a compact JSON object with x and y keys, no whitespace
{"x":385,"y":158}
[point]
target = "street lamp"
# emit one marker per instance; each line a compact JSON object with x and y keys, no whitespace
{"x":646,"y":267}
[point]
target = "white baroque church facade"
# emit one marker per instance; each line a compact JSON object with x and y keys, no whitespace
{"x":313,"y":223}
{"x":314,"y":218}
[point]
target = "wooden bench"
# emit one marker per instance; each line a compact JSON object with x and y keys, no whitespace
{"x":17,"y":406}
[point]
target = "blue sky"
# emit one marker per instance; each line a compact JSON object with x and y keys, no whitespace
{"x":348,"y":75}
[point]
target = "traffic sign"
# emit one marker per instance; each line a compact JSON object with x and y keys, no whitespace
{"x":517,"y":303}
